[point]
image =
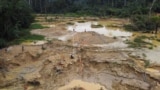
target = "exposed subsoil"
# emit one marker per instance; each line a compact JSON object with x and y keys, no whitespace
{"x":55,"y":64}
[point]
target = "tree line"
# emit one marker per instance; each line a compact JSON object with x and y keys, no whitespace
{"x":141,"y":12}
{"x":120,"y":8}
{"x":14,"y":16}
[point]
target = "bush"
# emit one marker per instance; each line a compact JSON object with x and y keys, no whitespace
{"x":150,"y":47}
{"x":139,"y":42}
{"x":158,"y":40}
{"x":2,"y":43}
{"x":129,"y":27}
{"x":70,"y":23}
{"x":81,"y":21}
{"x":96,"y":26}
{"x":147,"y":63}
{"x":145,"y":23}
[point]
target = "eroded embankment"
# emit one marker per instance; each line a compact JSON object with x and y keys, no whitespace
{"x":112,"y":75}
{"x":50,"y":69}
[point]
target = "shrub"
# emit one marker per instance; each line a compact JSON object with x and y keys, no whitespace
{"x":147,"y":63}
{"x":70,"y":23}
{"x":139,"y":42}
{"x":96,"y":26}
{"x":2,"y":43}
{"x":81,"y":21}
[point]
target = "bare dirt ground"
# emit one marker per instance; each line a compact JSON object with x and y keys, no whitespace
{"x":58,"y":62}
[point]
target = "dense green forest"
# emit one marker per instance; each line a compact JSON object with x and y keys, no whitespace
{"x":15,"y":15}
{"x":121,"y":8}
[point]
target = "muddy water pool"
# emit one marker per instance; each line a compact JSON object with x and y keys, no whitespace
{"x":86,"y":26}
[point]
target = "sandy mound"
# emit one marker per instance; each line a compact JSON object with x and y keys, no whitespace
{"x":92,"y":38}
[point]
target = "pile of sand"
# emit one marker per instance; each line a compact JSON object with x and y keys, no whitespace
{"x":92,"y":38}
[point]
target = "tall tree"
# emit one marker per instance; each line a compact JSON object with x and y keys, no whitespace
{"x":14,"y":15}
{"x":150,"y":9}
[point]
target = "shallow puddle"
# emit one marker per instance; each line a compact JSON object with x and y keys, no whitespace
{"x":73,"y":85}
{"x":82,"y":27}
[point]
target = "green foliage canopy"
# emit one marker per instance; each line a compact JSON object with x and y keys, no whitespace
{"x":14,"y":15}
{"x":121,"y":8}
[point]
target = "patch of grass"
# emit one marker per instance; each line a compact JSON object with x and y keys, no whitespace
{"x":129,"y":27}
{"x":33,"y":37}
{"x":139,"y":42}
{"x":71,"y":15}
{"x":82,"y":21}
{"x":28,"y":38}
{"x":144,"y":55}
{"x":150,"y":47}
{"x":70,"y":23}
{"x":114,"y":37}
{"x":25,"y":35}
{"x":36,"y":26}
{"x":49,"y":42}
{"x":152,"y":38}
{"x":133,"y":44}
{"x":147,"y":63}
{"x":158,"y":40}
{"x":96,"y":26}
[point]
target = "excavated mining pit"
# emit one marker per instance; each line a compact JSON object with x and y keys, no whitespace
{"x":92,"y":62}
